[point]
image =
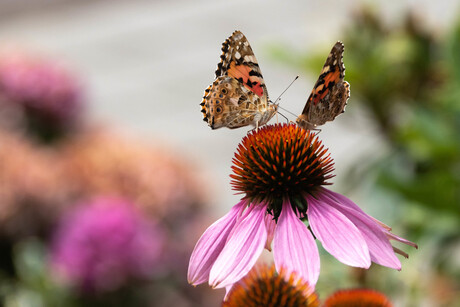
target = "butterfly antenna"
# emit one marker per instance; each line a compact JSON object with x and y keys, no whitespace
{"x":279,"y":97}
{"x":285,"y":110}
{"x":282,"y":116}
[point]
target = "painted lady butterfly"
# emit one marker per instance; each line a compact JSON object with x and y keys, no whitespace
{"x":330,"y":93}
{"x":238,"y":97}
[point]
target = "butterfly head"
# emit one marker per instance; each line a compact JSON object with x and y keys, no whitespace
{"x":302,"y":122}
{"x":268,"y":113}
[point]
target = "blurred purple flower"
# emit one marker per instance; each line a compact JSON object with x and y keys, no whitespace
{"x":101,"y":246}
{"x":46,"y":91}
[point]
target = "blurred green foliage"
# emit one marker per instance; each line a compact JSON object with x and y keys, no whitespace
{"x":408,"y":81}
{"x":404,"y":76}
{"x":32,"y":285}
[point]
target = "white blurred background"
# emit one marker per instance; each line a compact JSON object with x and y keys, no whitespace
{"x":146,"y":64}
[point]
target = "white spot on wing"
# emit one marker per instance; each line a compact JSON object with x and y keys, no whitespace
{"x":234,"y":101}
{"x":325,"y":69}
{"x":249,"y":58}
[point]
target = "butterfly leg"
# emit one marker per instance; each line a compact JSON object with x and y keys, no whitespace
{"x":317,"y":129}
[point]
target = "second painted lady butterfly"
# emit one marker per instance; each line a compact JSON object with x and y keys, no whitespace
{"x":330,"y":93}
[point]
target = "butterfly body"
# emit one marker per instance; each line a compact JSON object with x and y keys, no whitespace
{"x":238,"y":97}
{"x":228,"y":104}
{"x":330,"y":93}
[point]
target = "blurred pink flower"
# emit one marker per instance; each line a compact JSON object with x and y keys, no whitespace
{"x":48,"y":93}
{"x":105,"y":243}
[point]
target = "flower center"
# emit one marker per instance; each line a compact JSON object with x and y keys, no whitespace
{"x":280,"y":161}
{"x":263,"y":287}
{"x":356,"y":298}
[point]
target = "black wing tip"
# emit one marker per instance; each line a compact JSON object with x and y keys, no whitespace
{"x":338,"y":47}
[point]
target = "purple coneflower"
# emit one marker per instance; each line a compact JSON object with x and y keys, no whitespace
{"x":281,"y":170}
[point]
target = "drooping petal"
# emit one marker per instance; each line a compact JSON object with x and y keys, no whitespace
{"x":294,"y":247}
{"x":341,"y":199}
{"x":381,"y":224}
{"x":211,"y":243}
{"x":243,"y":247}
{"x":379,"y":246}
{"x":398,"y":251}
{"x":338,"y":235}
{"x":270,"y":225}
{"x":227,"y":291}
{"x":392,"y":236}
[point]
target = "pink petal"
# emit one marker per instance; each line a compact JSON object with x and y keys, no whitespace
{"x":341,"y":199}
{"x":270,"y":225}
{"x":227,"y":291}
{"x":294,"y":247}
{"x":241,"y":250}
{"x":211,"y":243}
{"x":379,"y":246}
{"x":392,"y":236}
{"x":381,"y":224}
{"x":398,"y":251}
{"x":338,"y":235}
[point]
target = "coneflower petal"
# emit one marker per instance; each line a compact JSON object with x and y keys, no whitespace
{"x":338,"y":235}
{"x":392,"y":236}
{"x":270,"y":224}
{"x":345,"y":201}
{"x":377,"y":242}
{"x":211,"y":243}
{"x":243,"y":247}
{"x":227,"y":291}
{"x":294,"y":247}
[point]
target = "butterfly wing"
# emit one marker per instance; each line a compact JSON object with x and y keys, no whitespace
{"x":238,"y":61}
{"x":330,"y":93}
{"x":238,"y":97}
{"x":228,"y":104}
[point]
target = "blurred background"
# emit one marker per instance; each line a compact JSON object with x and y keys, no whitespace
{"x":108,"y":175}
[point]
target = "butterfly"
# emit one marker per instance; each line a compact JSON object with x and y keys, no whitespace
{"x":330,"y":93}
{"x":238,"y":97}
